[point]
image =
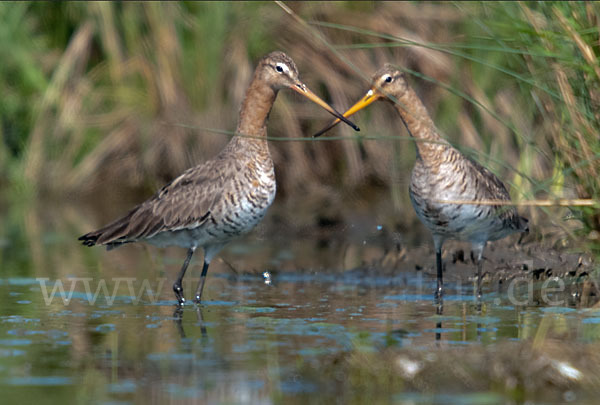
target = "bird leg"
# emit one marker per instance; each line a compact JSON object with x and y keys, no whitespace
{"x":439,"y":310}
{"x":201,"y":283}
{"x":440,"y":282}
{"x":177,"y":288}
{"x":478,"y":299}
{"x":479,"y":257}
{"x":479,"y":267}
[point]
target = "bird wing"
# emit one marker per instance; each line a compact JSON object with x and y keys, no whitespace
{"x":185,"y":202}
{"x":494,"y":189}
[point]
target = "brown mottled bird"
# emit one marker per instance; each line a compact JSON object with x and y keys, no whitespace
{"x":441,"y":175}
{"x":225,"y":197}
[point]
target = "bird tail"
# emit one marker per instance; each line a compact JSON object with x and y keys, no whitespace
{"x":112,"y":235}
{"x":523,"y":224}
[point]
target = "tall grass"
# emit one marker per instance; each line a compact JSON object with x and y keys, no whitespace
{"x":106,"y":95}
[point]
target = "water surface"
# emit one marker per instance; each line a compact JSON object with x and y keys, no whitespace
{"x":252,"y":341}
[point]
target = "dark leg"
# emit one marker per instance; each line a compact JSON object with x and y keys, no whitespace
{"x":177,"y":288}
{"x":479,"y":267}
{"x":439,"y":310}
{"x":440,"y":282}
{"x":201,"y":283}
{"x":478,"y":297}
{"x":479,"y":256}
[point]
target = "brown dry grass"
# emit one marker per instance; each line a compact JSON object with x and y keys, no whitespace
{"x":134,"y":95}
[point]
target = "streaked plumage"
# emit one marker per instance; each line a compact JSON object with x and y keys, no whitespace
{"x":225,"y":197}
{"x":442,"y":173}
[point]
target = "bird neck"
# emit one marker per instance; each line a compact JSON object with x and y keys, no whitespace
{"x":255,"y":110}
{"x":420,"y":126}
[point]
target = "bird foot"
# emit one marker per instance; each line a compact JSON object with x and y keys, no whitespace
{"x":179,"y":294}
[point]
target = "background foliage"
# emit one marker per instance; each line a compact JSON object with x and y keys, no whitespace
{"x":125,"y":96}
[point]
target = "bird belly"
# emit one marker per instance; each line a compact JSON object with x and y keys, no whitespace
{"x":470,"y":222}
{"x":187,"y":238}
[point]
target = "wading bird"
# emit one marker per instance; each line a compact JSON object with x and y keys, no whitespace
{"x":223,"y":198}
{"x":449,"y":192}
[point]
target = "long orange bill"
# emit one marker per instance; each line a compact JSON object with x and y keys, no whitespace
{"x":368,"y":98}
{"x":302,"y":89}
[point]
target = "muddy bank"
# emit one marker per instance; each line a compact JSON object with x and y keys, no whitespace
{"x":369,"y":235}
{"x":503,"y":260}
{"x":367,"y":248}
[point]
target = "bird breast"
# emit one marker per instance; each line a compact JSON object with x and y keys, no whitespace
{"x":245,"y":198}
{"x":258,"y":194}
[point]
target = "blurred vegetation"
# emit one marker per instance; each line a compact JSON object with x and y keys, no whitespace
{"x":104,"y":95}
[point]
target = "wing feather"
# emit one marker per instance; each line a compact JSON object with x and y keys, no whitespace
{"x":184,"y":202}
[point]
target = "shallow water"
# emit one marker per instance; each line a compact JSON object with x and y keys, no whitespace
{"x":251,"y":341}
{"x":90,"y":326}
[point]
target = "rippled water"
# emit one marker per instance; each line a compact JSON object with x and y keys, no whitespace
{"x":89,"y":326}
{"x":251,"y":341}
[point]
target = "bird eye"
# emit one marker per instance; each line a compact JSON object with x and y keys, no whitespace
{"x":388,"y":79}
{"x":280,"y":67}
